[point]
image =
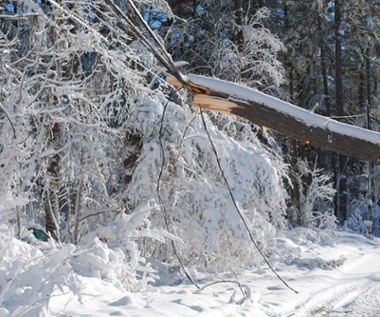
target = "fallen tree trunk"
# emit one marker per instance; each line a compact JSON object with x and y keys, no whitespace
{"x":283,"y":117}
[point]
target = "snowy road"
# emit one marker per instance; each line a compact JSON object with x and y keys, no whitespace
{"x":358,"y":298}
{"x":350,"y":290}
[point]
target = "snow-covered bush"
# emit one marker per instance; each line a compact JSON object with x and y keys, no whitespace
{"x":31,"y":270}
{"x":30,"y":274}
{"x":114,"y":252}
{"x":194,"y":197}
{"x":316,"y":198}
{"x":260,"y":64}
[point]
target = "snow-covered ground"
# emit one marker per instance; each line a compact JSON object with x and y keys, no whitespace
{"x":338,"y":280}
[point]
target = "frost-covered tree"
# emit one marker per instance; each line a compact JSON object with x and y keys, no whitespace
{"x":224,"y":39}
{"x":101,"y":152}
{"x":316,"y":197}
{"x":330,"y":61}
{"x":67,"y":95}
{"x":86,"y":141}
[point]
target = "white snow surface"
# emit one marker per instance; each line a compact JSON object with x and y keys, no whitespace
{"x":337,"y":280}
{"x":241,"y":93}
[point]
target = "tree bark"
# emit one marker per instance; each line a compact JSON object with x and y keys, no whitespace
{"x":341,"y":205}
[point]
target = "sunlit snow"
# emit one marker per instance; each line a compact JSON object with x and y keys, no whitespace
{"x":45,"y":279}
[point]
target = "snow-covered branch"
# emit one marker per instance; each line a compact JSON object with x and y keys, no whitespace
{"x":285,"y":118}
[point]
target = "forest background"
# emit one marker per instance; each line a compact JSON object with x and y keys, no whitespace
{"x":99,"y":151}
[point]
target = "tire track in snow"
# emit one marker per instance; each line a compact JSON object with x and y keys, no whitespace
{"x":368,"y":303}
{"x":332,"y":301}
{"x":354,"y":289}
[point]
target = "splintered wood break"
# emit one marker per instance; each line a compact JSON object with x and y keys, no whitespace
{"x":214,"y":103}
{"x":171,"y":80}
{"x":194,"y":88}
{"x":198,"y":89}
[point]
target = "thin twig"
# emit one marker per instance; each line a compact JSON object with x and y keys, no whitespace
{"x":220,"y":282}
{"x":97,"y":214}
{"x":10,"y":120}
{"x":137,"y":33}
{"x":241,"y":289}
{"x":228,"y":281}
{"x":238,"y":209}
{"x":171,"y":66}
{"x":159,"y":52}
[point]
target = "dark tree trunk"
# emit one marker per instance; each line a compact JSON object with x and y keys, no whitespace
{"x":239,"y":23}
{"x":341,"y":161}
{"x":368,"y":90}
{"x":259,"y":3}
{"x":324,"y":70}
{"x":292,"y":146}
{"x":327,"y":98}
{"x":339,"y":97}
{"x":368,"y":113}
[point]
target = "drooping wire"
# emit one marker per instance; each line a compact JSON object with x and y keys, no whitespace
{"x":246,"y":226}
{"x":160,"y":200}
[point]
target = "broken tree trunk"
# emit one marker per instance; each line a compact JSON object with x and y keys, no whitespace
{"x":283,"y":117}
